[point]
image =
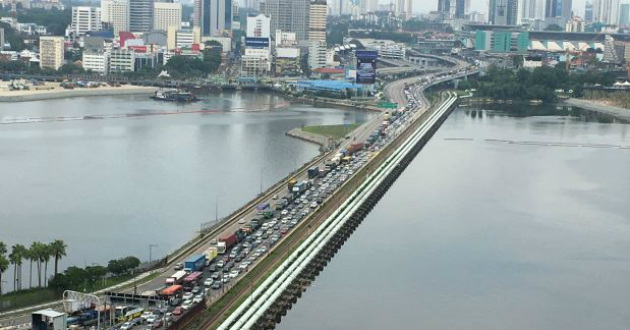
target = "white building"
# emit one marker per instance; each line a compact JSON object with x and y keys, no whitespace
{"x":606,"y":11}
{"x":317,"y":54}
{"x":85,"y":19}
{"x":226,"y":43}
{"x":181,"y":38}
{"x":121,"y":60}
{"x":285,"y":39}
{"x":166,"y":14}
{"x":317,"y":21}
{"x":258,"y":26}
{"x":116,"y":13}
{"x":51,"y":52}
{"x":96,"y":62}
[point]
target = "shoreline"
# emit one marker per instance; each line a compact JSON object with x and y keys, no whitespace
{"x":27,"y":96}
{"x":617,"y":112}
{"x":299,"y":134}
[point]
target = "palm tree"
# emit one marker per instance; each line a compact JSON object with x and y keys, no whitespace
{"x":4,"y":265}
{"x":31,"y":256}
{"x":38,"y":250}
{"x":58,"y":249}
{"x":21,"y":251}
{"x":46,"y":254}
{"x":15,"y":259}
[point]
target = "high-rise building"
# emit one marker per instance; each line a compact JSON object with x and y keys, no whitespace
{"x":116,"y":14}
{"x":588,"y":12}
{"x":141,"y":15}
{"x":317,"y":21}
{"x":166,"y":14}
{"x":567,"y":9}
{"x":258,"y":26}
{"x":50,"y":52}
{"x":179,"y":38}
{"x":528,"y":9}
{"x":551,"y":8}
{"x":212,"y":16}
{"x":606,"y":11}
{"x":444,"y":7}
{"x":317,"y":54}
{"x":1,"y":39}
{"x":503,"y":12}
{"x":624,"y":14}
{"x":558,"y":8}
{"x":289,"y":15}
{"x":460,"y":8}
{"x":85,"y":19}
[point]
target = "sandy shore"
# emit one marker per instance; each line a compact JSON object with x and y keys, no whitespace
{"x":599,"y":106}
{"x":57,"y":93}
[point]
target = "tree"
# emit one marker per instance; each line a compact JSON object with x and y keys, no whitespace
{"x":15,"y":259}
{"x":4,"y":265}
{"x":58,"y":250}
{"x":31,"y":256}
{"x":71,"y":69}
{"x":554,"y":27}
{"x":40,"y":252}
{"x":46,"y":254}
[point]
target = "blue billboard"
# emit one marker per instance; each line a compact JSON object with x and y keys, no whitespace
{"x":366,"y":66}
{"x":257,"y":42}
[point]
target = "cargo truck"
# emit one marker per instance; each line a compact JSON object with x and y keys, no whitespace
{"x":354,"y":147}
{"x":211,"y":253}
{"x":195,"y":263}
{"x":228,"y":242}
{"x":291,"y":183}
{"x":313,"y":172}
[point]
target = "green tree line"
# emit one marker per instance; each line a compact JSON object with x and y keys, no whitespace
{"x":38,"y":253}
{"x":537,"y":84}
{"x":79,"y":279}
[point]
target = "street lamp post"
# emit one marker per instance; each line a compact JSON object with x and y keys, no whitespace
{"x":151,"y":246}
{"x":262,"y":170}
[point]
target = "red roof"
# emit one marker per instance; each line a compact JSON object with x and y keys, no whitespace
{"x":125,"y":35}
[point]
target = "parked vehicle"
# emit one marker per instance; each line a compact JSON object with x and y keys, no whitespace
{"x":195,"y":262}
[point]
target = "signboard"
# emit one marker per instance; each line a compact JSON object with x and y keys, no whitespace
{"x":366,"y":66}
{"x":257,"y":42}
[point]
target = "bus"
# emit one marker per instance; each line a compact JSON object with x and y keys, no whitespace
{"x":172,"y":292}
{"x":176,"y":278}
{"x":125,"y":314}
{"x":192,"y":280}
{"x":260,"y":209}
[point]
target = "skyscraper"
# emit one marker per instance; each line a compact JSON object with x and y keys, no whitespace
{"x":460,"y":8}
{"x":624,"y":14}
{"x":606,"y":11}
{"x":167,"y":14}
{"x":212,"y":16}
{"x":116,"y":13}
{"x":444,"y":7}
{"x":141,"y":15}
{"x":503,"y":12}
{"x":85,"y":19}
{"x":317,"y":21}
{"x":289,"y":15}
{"x":567,"y":9}
{"x":588,"y":12}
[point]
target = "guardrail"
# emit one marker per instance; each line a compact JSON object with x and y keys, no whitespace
{"x":246,"y":315}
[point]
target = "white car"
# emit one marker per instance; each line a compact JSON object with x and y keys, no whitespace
{"x":126,"y":326}
{"x":234,"y":273}
{"x":187,"y":296}
{"x":284,"y":212}
{"x":187,"y":304}
{"x":313,"y":205}
{"x":146,"y":315}
{"x":207,"y":282}
{"x":197,"y":299}
{"x":151,"y":319}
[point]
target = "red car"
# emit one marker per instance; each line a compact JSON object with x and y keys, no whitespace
{"x":178,"y":311}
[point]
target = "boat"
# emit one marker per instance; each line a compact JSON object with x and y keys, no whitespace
{"x":174,"y":95}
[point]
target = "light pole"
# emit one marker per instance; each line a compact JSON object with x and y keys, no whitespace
{"x":262,"y":170}
{"x":151,"y":246}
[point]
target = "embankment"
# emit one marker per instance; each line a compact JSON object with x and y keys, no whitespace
{"x":58,"y":93}
{"x":617,"y":112}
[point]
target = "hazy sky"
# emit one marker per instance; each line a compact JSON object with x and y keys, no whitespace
{"x":425,"y":6}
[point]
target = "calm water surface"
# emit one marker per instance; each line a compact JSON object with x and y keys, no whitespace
{"x":110,"y":187}
{"x":506,"y":220}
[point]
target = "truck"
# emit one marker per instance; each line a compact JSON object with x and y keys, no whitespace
{"x":313,"y":172}
{"x":195,"y":262}
{"x":176,"y":278}
{"x":291,"y":184}
{"x":354,"y":147}
{"x":211,"y":253}
{"x":330,"y":165}
{"x":299,"y":188}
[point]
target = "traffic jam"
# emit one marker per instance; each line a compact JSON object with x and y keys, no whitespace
{"x":207,"y":275}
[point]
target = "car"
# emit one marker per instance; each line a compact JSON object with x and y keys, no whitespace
{"x":234,"y":273}
{"x":216,"y":275}
{"x":313,"y":205}
{"x":242,"y":221}
{"x":220,"y":264}
{"x":216,"y":285}
{"x":275,"y":196}
{"x":146,"y":315}
{"x":177,"y":311}
{"x":212,"y":268}
{"x":151,"y":319}
{"x":284,"y":212}
{"x":187,"y":296}
{"x":179,"y":266}
{"x":226,"y":279}
{"x":187,"y":304}
{"x":176,"y":302}
{"x":243,"y":266}
{"x":137,"y":321}
{"x":198,"y":299}
{"x":208,"y":282}
{"x":126,"y":326}
{"x":157,"y":324}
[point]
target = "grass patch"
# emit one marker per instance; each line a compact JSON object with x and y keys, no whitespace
{"x":36,"y":296}
{"x":26,"y":298}
{"x":335,"y":132}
